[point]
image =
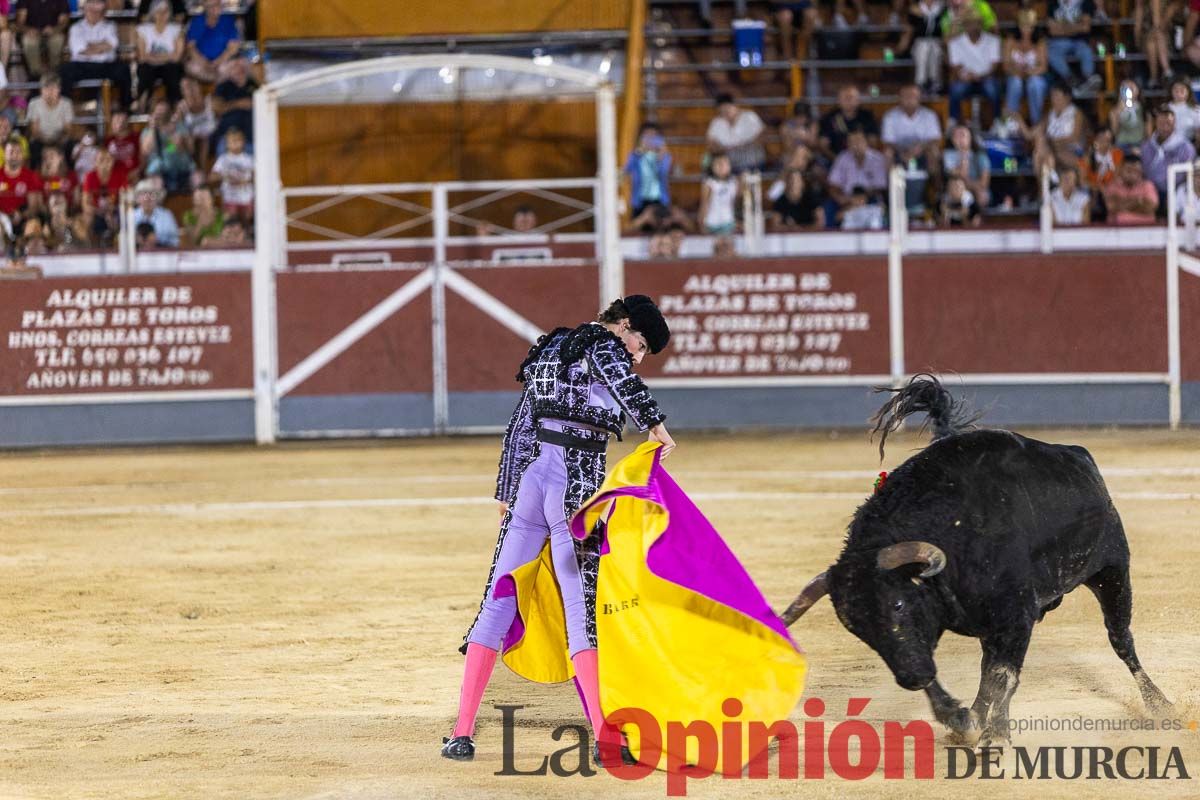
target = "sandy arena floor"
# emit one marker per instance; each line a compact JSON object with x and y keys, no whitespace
{"x":238,"y":622}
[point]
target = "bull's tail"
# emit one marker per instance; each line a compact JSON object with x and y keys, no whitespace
{"x":925,"y":393}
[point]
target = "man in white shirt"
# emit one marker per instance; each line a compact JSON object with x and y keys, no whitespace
{"x":974,"y":57}
{"x":737,"y":133}
{"x":912,"y":138}
{"x":92,"y":42}
{"x":50,"y":116}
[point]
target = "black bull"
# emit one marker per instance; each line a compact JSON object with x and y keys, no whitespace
{"x":981,"y":533}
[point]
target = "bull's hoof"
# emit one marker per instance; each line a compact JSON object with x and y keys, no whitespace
{"x":964,"y":726}
{"x":993,"y":740}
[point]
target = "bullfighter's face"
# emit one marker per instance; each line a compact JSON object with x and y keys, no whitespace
{"x":892,"y":612}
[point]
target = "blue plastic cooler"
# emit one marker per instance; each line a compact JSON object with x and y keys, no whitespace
{"x":748,"y":35}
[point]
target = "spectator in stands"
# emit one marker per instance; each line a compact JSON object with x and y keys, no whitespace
{"x":649,"y":170}
{"x":1062,"y":136}
{"x":195,"y":119}
{"x":957,"y":207}
{"x":147,"y":197}
{"x":1026,"y":65}
{"x":165,"y":150}
{"x":57,"y":177}
{"x":815,"y":171}
{"x":84,"y":153}
{"x":922,"y":41}
{"x":50,"y":117}
{"x":718,"y":196}
{"x":1150,"y":25}
{"x":912,"y":134}
{"x":858,"y":166}
{"x":147,"y":237}
{"x":668,"y":241}
{"x":179,"y":9}
{"x":1102,"y":162}
{"x":20,"y":187}
{"x":203,"y":222}
{"x":43,"y":28}
{"x":124,"y":144}
{"x":235,"y":234}
{"x":737,"y":132}
{"x":235,"y":170}
{"x":786,"y":15}
{"x":1069,"y":203}
{"x":849,"y":115}
{"x":1187,"y":113}
{"x":1163,"y":148}
{"x":798,"y":129}
{"x":799,"y":206}
{"x":7,"y":134}
{"x":1131,"y":199}
{"x":212,"y":41}
{"x":233,"y":102}
{"x":862,"y":212}
{"x":65,"y":233}
{"x":974,"y":58}
{"x":968,"y":161}
{"x":1128,"y":119}
{"x":524,"y":219}
{"x":1070,"y":29}
{"x":953,"y":23}
{"x":100,"y":196}
{"x":92,"y":43}
{"x":33,"y":238}
{"x":159,"y":54}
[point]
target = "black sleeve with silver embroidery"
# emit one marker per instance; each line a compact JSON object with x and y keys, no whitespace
{"x":613,"y":366}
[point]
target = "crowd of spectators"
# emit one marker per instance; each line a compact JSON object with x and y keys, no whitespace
{"x":1023,"y":99}
{"x":177,"y":132}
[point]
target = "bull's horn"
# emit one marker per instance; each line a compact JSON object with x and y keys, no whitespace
{"x":897,"y":555}
{"x":817,"y":588}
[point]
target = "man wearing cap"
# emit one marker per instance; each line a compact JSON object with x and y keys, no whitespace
{"x":580,"y":387}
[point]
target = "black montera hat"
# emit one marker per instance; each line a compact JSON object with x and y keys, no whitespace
{"x":646,"y":319}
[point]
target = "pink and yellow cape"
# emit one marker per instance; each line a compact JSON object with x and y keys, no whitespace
{"x":680,"y":624}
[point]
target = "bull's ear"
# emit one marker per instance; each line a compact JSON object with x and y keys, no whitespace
{"x":817,"y":588}
{"x":913,"y":552}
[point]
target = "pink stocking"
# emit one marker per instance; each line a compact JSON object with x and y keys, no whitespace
{"x":478,"y":670}
{"x":587,"y":679}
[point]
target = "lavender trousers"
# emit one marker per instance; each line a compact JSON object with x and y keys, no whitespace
{"x":537,"y":513}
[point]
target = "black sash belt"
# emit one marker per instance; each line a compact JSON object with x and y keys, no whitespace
{"x":567,"y":440}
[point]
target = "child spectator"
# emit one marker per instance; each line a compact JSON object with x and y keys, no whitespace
{"x":1131,"y":199}
{"x":1026,"y":64}
{"x":159,"y":54}
{"x":235,"y":170}
{"x":1100,"y":165}
{"x":123,"y":143}
{"x":100,"y":197}
{"x":1127,"y":118}
{"x":83,"y":154}
{"x":165,"y":150}
{"x":93,"y":46}
{"x":860,"y":213}
{"x":958,"y":208}
{"x":922,"y":40}
{"x":798,"y":206}
{"x":718,"y":194}
{"x":147,"y":237}
{"x":203,"y":222}
{"x":162,"y":221}
{"x":970,"y":163}
{"x":212,"y":40}
{"x":737,"y":132}
{"x":50,"y":117}
{"x":195,"y":118}
{"x":20,"y":187}
{"x":1187,"y":113}
{"x":43,"y":27}
{"x":524,"y":218}
{"x":1070,"y":204}
{"x":233,"y":102}
{"x":649,"y":170}
{"x":57,"y":178}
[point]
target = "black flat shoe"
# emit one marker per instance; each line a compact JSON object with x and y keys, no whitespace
{"x":460,"y":748}
{"x":626,"y":755}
